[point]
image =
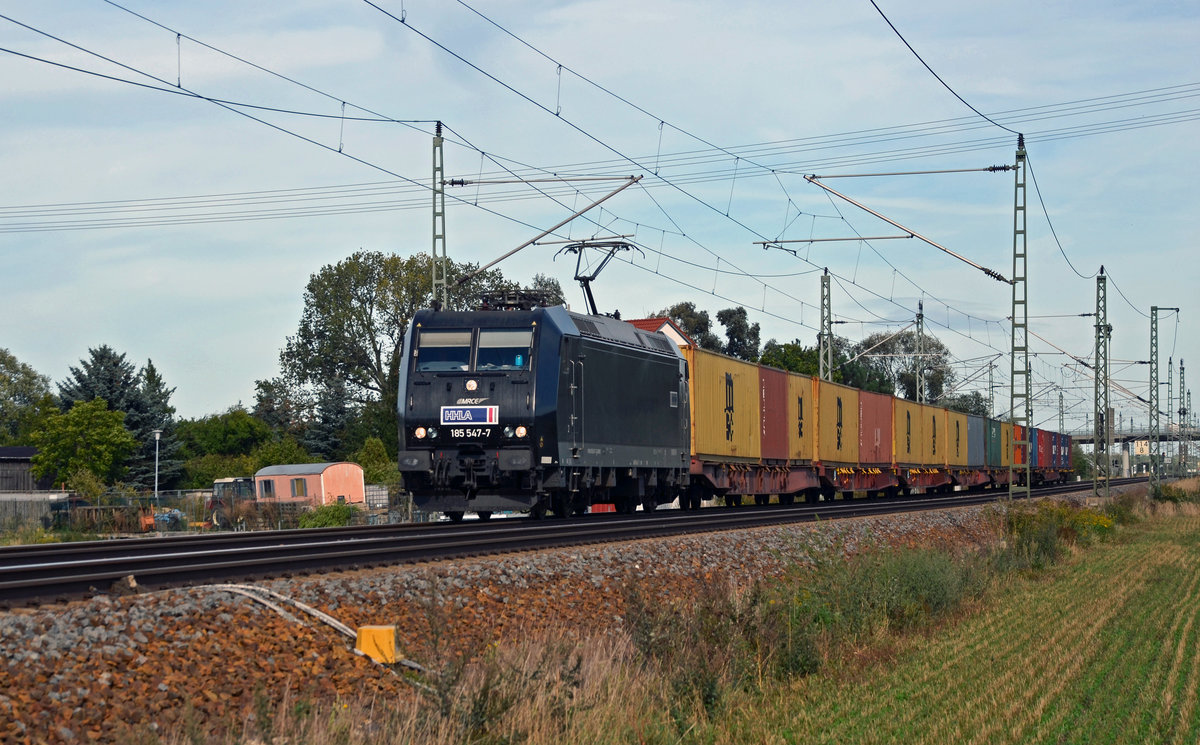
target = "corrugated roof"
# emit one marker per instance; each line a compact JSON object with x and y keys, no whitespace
{"x":299,"y":469}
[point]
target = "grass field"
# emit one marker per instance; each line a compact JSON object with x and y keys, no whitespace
{"x":1102,"y":648}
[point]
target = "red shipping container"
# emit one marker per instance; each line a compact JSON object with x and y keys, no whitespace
{"x":874,"y":429}
{"x":772,"y":409}
{"x":1045,"y":447}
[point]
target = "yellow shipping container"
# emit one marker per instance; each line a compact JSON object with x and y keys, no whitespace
{"x":725,"y":401}
{"x":837,"y":423}
{"x":908,"y":428}
{"x":956,"y":433}
{"x":935,"y":443}
{"x":1006,"y":447}
{"x":802,"y":417}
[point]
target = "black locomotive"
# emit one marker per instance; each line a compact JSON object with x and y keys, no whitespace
{"x":538,"y":408}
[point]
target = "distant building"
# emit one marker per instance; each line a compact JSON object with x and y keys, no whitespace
{"x":313,"y":483}
{"x":664,"y":326}
{"x":16,"y":470}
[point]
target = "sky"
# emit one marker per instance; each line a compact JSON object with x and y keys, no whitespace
{"x":175,"y":228}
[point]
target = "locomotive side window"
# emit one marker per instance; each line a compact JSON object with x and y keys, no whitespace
{"x":441,"y":351}
{"x":506,"y":349}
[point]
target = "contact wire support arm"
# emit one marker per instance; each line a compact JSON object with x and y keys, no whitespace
{"x":632,"y":180}
{"x":990,"y":272}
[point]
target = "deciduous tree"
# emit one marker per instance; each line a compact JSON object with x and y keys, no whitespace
{"x":24,"y":398}
{"x":88,"y":437}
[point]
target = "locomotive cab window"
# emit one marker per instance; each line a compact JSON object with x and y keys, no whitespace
{"x":442,"y":351}
{"x":503,"y":349}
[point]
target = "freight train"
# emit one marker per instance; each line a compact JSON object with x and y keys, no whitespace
{"x":522,"y":407}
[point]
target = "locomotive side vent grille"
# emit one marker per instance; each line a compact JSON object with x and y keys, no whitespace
{"x":587,"y":327}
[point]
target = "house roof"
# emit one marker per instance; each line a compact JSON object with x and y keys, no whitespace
{"x":17,"y":452}
{"x":300,"y":469}
{"x":664,"y":325}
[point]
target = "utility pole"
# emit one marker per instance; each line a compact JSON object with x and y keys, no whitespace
{"x":825,"y":347}
{"x":920,"y":371}
{"x":1062,"y":419}
{"x":991,"y":390}
{"x":1170,"y":405}
{"x":1103,"y":425}
{"x":1020,"y":411}
{"x":1183,"y":424}
{"x":440,"y":260}
{"x":1156,"y":454}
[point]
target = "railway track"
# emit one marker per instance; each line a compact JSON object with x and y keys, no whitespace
{"x":62,"y":572}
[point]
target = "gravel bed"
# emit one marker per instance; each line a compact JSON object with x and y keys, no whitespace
{"x":119,"y":669}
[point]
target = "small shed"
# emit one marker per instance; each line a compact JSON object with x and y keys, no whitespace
{"x":16,"y":470}
{"x":312,"y":483}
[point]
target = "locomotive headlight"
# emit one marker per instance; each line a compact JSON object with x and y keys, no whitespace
{"x":419,"y":433}
{"x":521,"y":431}
{"x":508,"y":431}
{"x":472,"y":385}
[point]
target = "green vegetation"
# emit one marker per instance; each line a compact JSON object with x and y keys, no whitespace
{"x":329,"y":516}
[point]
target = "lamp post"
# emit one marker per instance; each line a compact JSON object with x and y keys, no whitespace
{"x":157,"y":435}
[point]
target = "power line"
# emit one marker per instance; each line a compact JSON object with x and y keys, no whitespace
{"x":939,"y":77}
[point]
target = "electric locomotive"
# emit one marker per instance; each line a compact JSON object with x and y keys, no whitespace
{"x":538,"y":408}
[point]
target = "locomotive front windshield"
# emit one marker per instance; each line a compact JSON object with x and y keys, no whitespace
{"x":441,"y":351}
{"x":506,"y":349}
{"x":461,"y":351}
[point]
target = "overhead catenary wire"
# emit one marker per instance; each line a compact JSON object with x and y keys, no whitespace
{"x":723,"y":270}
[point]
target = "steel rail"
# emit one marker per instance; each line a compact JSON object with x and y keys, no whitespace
{"x":61,"y":572}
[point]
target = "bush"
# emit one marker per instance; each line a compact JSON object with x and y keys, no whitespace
{"x":329,"y":516}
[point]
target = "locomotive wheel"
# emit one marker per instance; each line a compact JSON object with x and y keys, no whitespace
{"x":649,"y":503}
{"x":484,"y":515}
{"x":455,"y":516}
{"x":538,"y":510}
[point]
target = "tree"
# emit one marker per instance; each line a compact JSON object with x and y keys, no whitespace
{"x":327,"y":433}
{"x":144,"y":399}
{"x":351,"y":331}
{"x":968,"y":403}
{"x":89,"y":437}
{"x":161,"y":457}
{"x":356,"y":313}
{"x":234,"y":432}
{"x":796,"y":357}
{"x":280,"y":452}
{"x":550,"y":288}
{"x":283,"y":405}
{"x":792,"y":356}
{"x":378,"y":467}
{"x":895,"y":357}
{"x":695,"y":323}
{"x":24,"y":399}
{"x":741,"y":336}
